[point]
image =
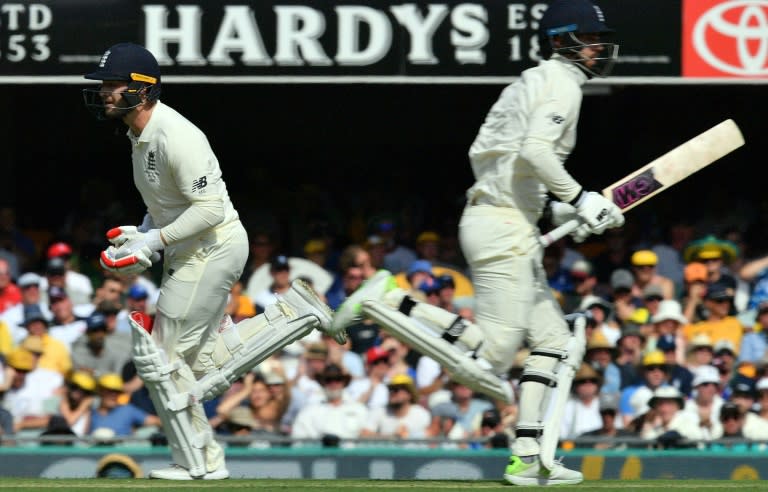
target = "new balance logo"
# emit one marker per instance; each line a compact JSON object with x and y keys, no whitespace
{"x":199,"y":183}
{"x":556,"y":118}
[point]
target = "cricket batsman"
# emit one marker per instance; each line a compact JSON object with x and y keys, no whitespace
{"x":517,"y":160}
{"x":195,"y":351}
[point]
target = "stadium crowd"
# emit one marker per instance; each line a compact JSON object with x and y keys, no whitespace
{"x":676,"y":352}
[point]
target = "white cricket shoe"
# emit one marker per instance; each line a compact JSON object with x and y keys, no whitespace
{"x":373,"y":288}
{"x":178,"y":472}
{"x":521,"y":473}
{"x":305,"y":301}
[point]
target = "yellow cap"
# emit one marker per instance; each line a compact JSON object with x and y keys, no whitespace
{"x":314,"y":246}
{"x":644,"y":257}
{"x":111,"y":381}
{"x":427,"y":236}
{"x":84,"y":380}
{"x":21,"y":359}
{"x":654,"y":358}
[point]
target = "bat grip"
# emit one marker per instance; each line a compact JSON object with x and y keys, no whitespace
{"x":559,"y":232}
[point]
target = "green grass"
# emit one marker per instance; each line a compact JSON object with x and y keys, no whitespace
{"x":346,"y":485}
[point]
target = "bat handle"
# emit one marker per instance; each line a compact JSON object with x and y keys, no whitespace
{"x":559,"y":232}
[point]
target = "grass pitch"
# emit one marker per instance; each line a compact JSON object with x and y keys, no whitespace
{"x":347,"y":485}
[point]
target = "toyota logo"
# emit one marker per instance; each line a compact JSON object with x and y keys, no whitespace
{"x":733,"y":37}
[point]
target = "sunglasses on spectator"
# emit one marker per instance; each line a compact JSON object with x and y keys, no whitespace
{"x":334,"y":380}
{"x":393,"y":389}
{"x":588,"y":380}
{"x":655,"y":367}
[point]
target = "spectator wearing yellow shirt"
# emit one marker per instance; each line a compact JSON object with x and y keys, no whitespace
{"x":54,"y":355}
{"x":718,"y":323}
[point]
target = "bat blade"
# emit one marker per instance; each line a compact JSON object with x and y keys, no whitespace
{"x":664,"y":171}
{"x":676,"y":165}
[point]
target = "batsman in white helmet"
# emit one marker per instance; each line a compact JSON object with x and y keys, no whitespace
{"x":194,"y":351}
{"x":518,"y":163}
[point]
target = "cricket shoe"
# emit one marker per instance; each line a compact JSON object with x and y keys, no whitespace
{"x":373,"y":288}
{"x":178,"y":472}
{"x":520,"y":473}
{"x":302,"y":298}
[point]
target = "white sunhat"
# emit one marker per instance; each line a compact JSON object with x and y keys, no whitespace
{"x":705,"y":374}
{"x":669,"y":309}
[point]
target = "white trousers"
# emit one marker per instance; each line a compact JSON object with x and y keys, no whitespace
{"x":513,"y":300}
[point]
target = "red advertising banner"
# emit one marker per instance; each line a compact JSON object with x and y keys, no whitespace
{"x":725,"y":38}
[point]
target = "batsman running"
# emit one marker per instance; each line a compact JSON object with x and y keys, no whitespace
{"x":518,"y":161}
{"x":195,"y":351}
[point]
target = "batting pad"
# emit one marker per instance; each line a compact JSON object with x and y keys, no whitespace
{"x":173,"y":406}
{"x":464,"y":368}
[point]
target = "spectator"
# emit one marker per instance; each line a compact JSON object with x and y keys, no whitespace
{"x":341,"y":354}
{"x":335,"y":418}
{"x":609,"y":435}
{"x":706,"y":402}
{"x":92,"y":352}
{"x":584,"y":282}
{"x":754,"y":345}
{"x":732,"y":420}
{"x":262,"y":246}
{"x":744,"y":395}
{"x":32,"y":388}
{"x":624,"y":302}
{"x":78,"y":286}
{"x":399,"y":355}
{"x":666,"y":422}
{"x":119,"y":419}
{"x":629,"y":357}
{"x":599,"y":355}
{"x":679,"y":376}
{"x":66,"y":326}
{"x":700,"y":352}
{"x":10,"y":294}
{"x":311,"y":365}
{"x":582,"y":410}
{"x":77,"y":403}
{"x":29,"y":284}
{"x":262,"y":411}
{"x":602,"y":311}
{"x":402,"y":417}
{"x":118,"y":339}
{"x":54,"y":354}
{"x":371,"y":390}
{"x":398,"y":257}
{"x":695,"y":288}
{"x":667,"y":324}
{"x":316,"y":251}
{"x":634,"y":399}
{"x":718,"y":324}
{"x":644,"y":263}
{"x":465,"y":405}
{"x":280,"y":271}
{"x":715,"y":254}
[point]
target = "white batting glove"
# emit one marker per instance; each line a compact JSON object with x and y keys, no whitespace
{"x":130,"y":241}
{"x":581,"y":233}
{"x":127,"y":265}
{"x":562,"y":212}
{"x":598,"y":212}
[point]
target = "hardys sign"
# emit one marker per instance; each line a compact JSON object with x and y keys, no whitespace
{"x":328,"y":41}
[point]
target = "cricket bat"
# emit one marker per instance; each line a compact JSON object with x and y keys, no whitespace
{"x":663,"y":172}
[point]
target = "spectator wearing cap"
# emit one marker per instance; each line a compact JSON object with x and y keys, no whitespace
{"x":65,"y":326}
{"x":336,"y":417}
{"x":600,"y":355}
{"x":666,"y":421}
{"x":56,"y":276}
{"x":401,"y":417}
{"x":137,"y":299}
{"x":78,"y":286}
{"x":78,"y":400}
{"x":725,"y":355}
{"x":119,"y":419}
{"x":679,"y":375}
{"x":371,"y":390}
{"x":93,"y":353}
{"x":466,"y":405}
{"x":706,"y":401}
{"x":29,"y":284}
{"x":644,"y":262}
{"x":280,"y":271}
{"x":316,"y":251}
{"x":667,"y":322}
{"x":584,"y":285}
{"x":10,"y":294}
{"x":398,"y":256}
{"x":313,"y":361}
{"x":582,"y":410}
{"x":624,"y":302}
{"x":701,"y":352}
{"x":744,"y":395}
{"x":717,"y":255}
{"x":28,"y":390}
{"x":719,"y":323}
{"x":694,"y":290}
{"x":610,"y":433}
{"x":418,"y":273}
{"x":732,"y":421}
{"x":601,"y":312}
{"x":634,"y":399}
{"x":54,"y":352}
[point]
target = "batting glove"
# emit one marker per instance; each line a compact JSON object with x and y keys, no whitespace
{"x":598,"y":212}
{"x":126,"y":265}
{"x":561,"y":212}
{"x":130,"y":241}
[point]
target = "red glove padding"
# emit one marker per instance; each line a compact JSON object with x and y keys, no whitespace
{"x":135,"y":263}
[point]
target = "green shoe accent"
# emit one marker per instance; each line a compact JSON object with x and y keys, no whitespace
{"x":516,"y":466}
